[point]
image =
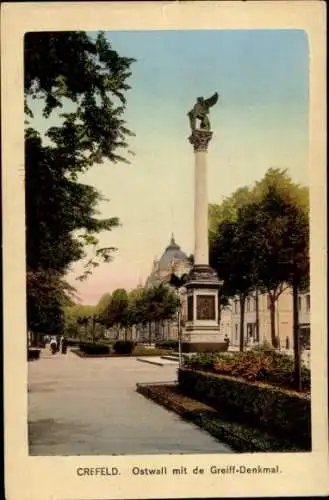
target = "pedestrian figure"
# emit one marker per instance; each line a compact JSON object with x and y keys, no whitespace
{"x":53,"y":345}
{"x":64,"y":345}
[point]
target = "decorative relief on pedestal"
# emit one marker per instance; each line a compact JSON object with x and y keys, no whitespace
{"x":205,"y":307}
{"x":190,"y":308}
{"x":203,"y":273}
{"x":200,"y":139}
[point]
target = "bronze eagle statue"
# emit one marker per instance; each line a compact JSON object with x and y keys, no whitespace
{"x":200,"y":112}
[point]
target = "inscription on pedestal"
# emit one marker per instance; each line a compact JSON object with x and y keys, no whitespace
{"x":205,"y":307}
{"x":190,"y":308}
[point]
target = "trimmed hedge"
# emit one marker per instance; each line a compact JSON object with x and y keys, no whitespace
{"x":168,"y":344}
{"x":33,"y":354}
{"x":73,"y":342}
{"x":95,"y":348}
{"x":264,"y":366}
{"x":284,"y":413}
{"x":123,"y":347}
{"x":240,"y":437}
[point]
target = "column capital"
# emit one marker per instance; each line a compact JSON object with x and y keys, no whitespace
{"x":200,"y":139}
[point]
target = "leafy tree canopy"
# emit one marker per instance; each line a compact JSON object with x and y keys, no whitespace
{"x":259,"y":239}
{"x":84,"y":81}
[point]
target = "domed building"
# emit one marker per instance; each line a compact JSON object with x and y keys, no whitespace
{"x":172,"y":261}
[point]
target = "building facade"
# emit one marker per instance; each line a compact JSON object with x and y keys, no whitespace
{"x":257,"y":309}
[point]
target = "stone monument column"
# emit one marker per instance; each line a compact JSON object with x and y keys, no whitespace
{"x":202,"y":327}
{"x":200,"y":140}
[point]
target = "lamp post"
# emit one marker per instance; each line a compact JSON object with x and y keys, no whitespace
{"x":179,"y":326}
{"x":180,"y":291}
{"x":178,"y":283}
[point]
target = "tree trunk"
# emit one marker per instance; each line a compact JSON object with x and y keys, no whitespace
{"x":93,"y":330}
{"x":272,"y":319}
{"x":242,"y":306}
{"x":297,"y":360}
{"x":257,"y":315}
{"x":34,"y":339}
{"x":150,"y":333}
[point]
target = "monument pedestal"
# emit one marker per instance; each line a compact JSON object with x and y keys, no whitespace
{"x":202,"y":327}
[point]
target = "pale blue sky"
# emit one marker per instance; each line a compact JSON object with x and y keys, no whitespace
{"x":260,"y":122}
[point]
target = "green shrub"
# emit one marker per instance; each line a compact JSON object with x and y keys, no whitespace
{"x":73,"y":342}
{"x":33,"y":354}
{"x":167,"y":344}
{"x":268,"y":366}
{"x":123,"y":347}
{"x":264,"y":347}
{"x":203,"y":361}
{"x":280,"y":412}
{"x":94,"y":348}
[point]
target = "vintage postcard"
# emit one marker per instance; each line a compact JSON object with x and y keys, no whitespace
{"x":164,"y":250}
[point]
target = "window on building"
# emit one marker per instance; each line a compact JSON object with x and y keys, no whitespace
{"x":250,"y":330}
{"x":308,"y":302}
{"x":236,"y":332}
{"x":299,"y":303}
{"x":248,"y":308}
{"x":268,"y":302}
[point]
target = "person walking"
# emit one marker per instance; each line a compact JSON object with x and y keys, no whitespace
{"x":227,"y":341}
{"x":53,"y":345}
{"x":64,"y":345}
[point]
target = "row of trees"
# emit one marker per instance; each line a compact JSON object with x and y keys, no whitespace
{"x":259,"y":241}
{"x":75,"y":90}
{"x":121,"y":311}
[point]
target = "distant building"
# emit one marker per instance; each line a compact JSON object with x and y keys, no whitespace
{"x":172,"y":261}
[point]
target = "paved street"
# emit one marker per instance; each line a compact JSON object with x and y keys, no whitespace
{"x":90,"y":407}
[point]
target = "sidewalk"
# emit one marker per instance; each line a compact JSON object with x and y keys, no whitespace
{"x":91,"y":407}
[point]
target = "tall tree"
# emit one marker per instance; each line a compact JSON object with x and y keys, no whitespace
{"x":78,"y":85}
{"x":160,"y":303}
{"x":278,"y":223}
{"x":116,"y":313}
{"x":231,"y":255}
{"x":48,"y":295}
{"x":103,"y":304}
{"x":257,"y":228}
{"x":78,"y":320}
{"x":227,"y":210}
{"x":297,"y":262}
